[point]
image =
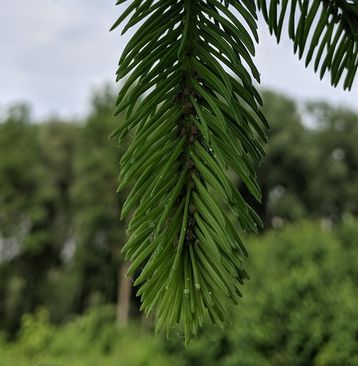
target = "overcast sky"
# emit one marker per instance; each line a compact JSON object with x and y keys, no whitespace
{"x":53,"y":53}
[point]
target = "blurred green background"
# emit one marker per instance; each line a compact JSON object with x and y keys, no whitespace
{"x":64,"y":299}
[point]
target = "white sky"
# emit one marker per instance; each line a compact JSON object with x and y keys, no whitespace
{"x":53,"y":53}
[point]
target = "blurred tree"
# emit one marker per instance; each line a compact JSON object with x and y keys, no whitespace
{"x":302,"y":308}
{"x":59,"y":231}
{"x":291,"y":159}
{"x":309,"y":169}
{"x":334,"y":191}
{"x":34,"y":211}
{"x":97,"y":231}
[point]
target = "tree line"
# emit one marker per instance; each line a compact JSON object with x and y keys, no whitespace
{"x":60,"y":233}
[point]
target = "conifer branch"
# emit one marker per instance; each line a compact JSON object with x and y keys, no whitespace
{"x":326,"y":29}
{"x":193,"y":124}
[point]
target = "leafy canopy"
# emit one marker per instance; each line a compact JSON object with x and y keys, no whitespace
{"x":193,"y":124}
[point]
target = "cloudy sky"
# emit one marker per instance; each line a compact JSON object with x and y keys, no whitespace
{"x":53,"y":53}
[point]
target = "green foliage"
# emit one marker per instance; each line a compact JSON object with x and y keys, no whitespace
{"x":90,"y":340}
{"x":302,"y":309}
{"x":193,"y":124}
{"x":301,"y":306}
